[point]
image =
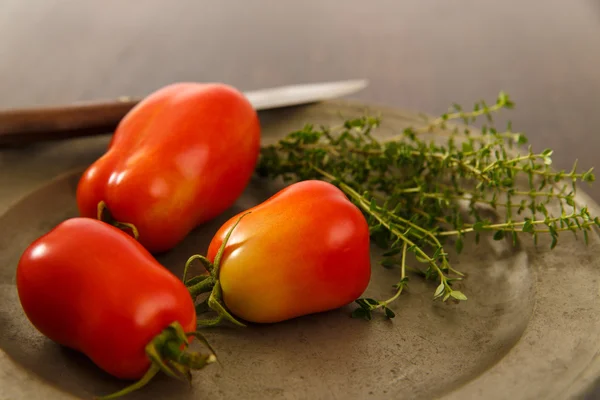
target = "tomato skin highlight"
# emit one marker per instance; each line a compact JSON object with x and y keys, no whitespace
{"x":302,"y":251}
{"x":89,"y":286}
{"x":180,"y":157}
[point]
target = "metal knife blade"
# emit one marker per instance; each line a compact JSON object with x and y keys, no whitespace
{"x":27,"y":125}
{"x":301,"y":94}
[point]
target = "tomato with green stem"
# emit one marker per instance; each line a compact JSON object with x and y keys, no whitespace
{"x":304,"y":250}
{"x":89,"y":286}
{"x":179,"y":158}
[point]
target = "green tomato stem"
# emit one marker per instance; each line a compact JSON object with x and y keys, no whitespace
{"x":152,"y":371}
{"x":210,"y":283}
{"x":168,"y":353}
{"x":104,"y":215}
{"x":204,"y":286}
{"x":205,"y":263}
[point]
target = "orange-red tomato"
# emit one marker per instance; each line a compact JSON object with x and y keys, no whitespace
{"x":89,"y":286}
{"x":304,"y":250}
{"x":180,"y":157}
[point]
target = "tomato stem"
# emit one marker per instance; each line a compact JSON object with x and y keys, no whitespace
{"x":210,"y":283}
{"x":168,"y":353}
{"x":205,"y":262}
{"x":204,"y":286}
{"x":152,"y":371}
{"x":214,"y":302}
{"x":104,"y":215}
{"x":174,"y":354}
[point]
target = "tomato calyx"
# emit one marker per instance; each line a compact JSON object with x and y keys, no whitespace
{"x":104,"y":215}
{"x":209,"y":282}
{"x":168,"y":354}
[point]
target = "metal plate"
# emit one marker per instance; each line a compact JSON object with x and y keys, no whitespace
{"x":529,"y":329}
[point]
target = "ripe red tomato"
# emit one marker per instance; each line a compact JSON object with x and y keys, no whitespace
{"x":181,"y":157}
{"x":304,"y":250}
{"x":91,"y":287}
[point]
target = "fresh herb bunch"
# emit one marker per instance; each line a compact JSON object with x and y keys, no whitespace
{"x":414,"y":190}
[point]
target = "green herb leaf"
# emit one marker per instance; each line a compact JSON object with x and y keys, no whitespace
{"x":439,"y":291}
{"x":361,"y":313}
{"x":372,"y":302}
{"x":392,"y":252}
{"x":389,"y":313}
{"x":389,"y":263}
{"x":479,"y":226}
{"x":528,"y":226}
{"x":499,"y":235}
{"x":458,"y":295}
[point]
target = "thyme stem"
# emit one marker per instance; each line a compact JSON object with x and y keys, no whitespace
{"x":414,"y":191}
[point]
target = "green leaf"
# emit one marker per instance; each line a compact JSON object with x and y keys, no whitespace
{"x":528,"y":226}
{"x":547,"y":152}
{"x":372,"y":302}
{"x":363,"y":304}
{"x":439,"y":291}
{"x":467,"y":147}
{"x":361,"y":313}
{"x":554,"y":242}
{"x":373,"y":205}
{"x":389,"y":313}
{"x":499,"y":235}
{"x":446,"y":296}
{"x":479,"y":226}
{"x":375,"y":228}
{"x":458,"y":295}
{"x":502,"y":98}
{"x":392,"y":252}
{"x":388,"y":263}
{"x":522,"y":139}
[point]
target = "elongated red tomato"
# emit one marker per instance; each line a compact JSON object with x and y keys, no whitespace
{"x":89,"y":286}
{"x":179,"y":158}
{"x":304,"y":250}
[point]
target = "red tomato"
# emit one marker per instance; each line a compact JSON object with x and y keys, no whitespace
{"x":181,"y":157}
{"x":304,"y":250}
{"x":91,"y":287}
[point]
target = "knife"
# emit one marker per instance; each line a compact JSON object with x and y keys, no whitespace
{"x":27,"y":125}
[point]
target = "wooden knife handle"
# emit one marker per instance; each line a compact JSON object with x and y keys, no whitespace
{"x":22,"y":126}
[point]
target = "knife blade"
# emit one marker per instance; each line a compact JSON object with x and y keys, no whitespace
{"x":27,"y":125}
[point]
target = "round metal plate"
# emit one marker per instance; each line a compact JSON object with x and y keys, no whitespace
{"x":528,"y":331}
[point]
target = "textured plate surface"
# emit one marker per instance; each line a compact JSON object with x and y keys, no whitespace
{"x":529,"y":329}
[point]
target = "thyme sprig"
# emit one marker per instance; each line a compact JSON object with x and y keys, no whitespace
{"x":434,"y":182}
